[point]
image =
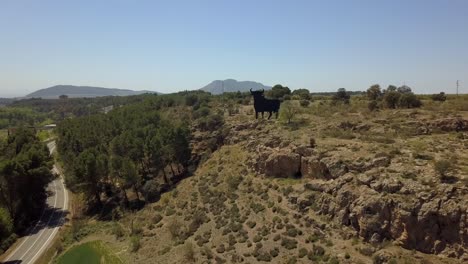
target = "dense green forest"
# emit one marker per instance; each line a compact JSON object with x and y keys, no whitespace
{"x":25,"y":171}
{"x":58,"y":109}
{"x":20,"y":116}
{"x":140,"y":147}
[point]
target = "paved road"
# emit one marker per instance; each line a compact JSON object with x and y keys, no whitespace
{"x":30,"y":247}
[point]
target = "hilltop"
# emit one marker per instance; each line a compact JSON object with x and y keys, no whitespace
{"x":231,"y":85}
{"x":338,"y":184}
{"x":81,"y":91}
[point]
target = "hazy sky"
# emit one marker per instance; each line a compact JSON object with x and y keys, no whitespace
{"x":177,"y":45}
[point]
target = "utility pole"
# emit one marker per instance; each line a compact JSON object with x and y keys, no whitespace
{"x":458,"y":84}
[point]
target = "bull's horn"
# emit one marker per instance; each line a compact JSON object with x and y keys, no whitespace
{"x":250,"y":89}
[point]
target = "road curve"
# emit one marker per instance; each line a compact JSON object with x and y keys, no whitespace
{"x":39,"y":237}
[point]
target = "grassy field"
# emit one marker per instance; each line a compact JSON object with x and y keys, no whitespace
{"x":94,"y":252}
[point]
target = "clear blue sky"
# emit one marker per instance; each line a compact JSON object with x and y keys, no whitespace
{"x":176,"y":45}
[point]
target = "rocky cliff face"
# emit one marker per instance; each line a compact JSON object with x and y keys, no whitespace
{"x":379,"y":197}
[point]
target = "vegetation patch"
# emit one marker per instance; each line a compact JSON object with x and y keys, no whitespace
{"x":94,"y":252}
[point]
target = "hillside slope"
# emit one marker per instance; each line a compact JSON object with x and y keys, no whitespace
{"x":353,"y":195}
{"x":81,"y":91}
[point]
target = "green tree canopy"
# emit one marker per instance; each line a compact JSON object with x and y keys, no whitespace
{"x":278,"y":91}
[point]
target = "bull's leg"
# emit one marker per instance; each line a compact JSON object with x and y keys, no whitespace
{"x":269,"y":115}
{"x":256,"y":115}
{"x":276,"y":114}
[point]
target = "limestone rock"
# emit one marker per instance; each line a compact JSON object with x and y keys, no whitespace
{"x":282,"y":164}
{"x":313,"y":168}
{"x":381,"y":162}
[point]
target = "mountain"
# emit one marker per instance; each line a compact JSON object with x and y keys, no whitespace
{"x":81,"y":91}
{"x":231,"y":85}
{"x":6,"y":101}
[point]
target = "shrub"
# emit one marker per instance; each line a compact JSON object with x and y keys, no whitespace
{"x":117,"y":230}
{"x":312,"y":238}
{"x":278,"y":91}
{"x":274,"y":252}
{"x":77,"y":229}
{"x":442,"y":167}
{"x":233,"y":182}
{"x":191,"y":99}
{"x":374,"y":92}
{"x":151,"y":191}
{"x":156,"y":219}
{"x":304,"y":103}
{"x":263,"y":256}
{"x":304,"y":94}
{"x":201,"y":112}
{"x":175,"y":228}
{"x":6,"y":224}
{"x":409,"y":100}
{"x":288,"y":111}
{"x":220,"y":248}
{"x":5,"y":244}
{"x":211,"y":122}
{"x":189,"y":252}
{"x":341,"y":96}
{"x":251,"y":224}
{"x":288,"y":243}
{"x":334,"y":260}
{"x":291,"y":231}
{"x":373,"y":105}
{"x":441,"y":97}
{"x":257,"y":238}
{"x":302,"y":252}
{"x":170,"y":211}
{"x":391,"y":99}
{"x":257,"y":207}
{"x":135,"y":243}
{"x":206,"y":251}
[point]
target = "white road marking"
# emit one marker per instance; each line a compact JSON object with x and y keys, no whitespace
{"x":48,"y":222}
{"x":55,"y":229}
{"x":52,"y":147}
{"x":26,"y":239}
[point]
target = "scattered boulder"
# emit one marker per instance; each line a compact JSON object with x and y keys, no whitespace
{"x":304,"y":151}
{"x":382,"y":257}
{"x":381,"y":162}
{"x":314,"y":168}
{"x":450,"y":124}
{"x":365,"y":179}
{"x":283,"y":164}
{"x":391,"y":185}
{"x":336,"y":166}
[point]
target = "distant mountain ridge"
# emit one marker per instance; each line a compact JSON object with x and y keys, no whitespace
{"x":81,"y":91}
{"x":231,"y":85}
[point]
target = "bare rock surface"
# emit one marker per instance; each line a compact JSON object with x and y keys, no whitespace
{"x":382,"y":197}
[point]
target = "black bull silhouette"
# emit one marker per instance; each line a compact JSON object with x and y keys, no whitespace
{"x":261,"y":104}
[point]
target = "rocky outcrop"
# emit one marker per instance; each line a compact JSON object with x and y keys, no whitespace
{"x":379,"y":196}
{"x":312,"y":167}
{"x":450,"y":124}
{"x":283,"y":164}
{"x":434,"y":223}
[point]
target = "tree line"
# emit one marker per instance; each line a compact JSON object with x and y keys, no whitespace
{"x":136,"y":148}
{"x":25,"y":171}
